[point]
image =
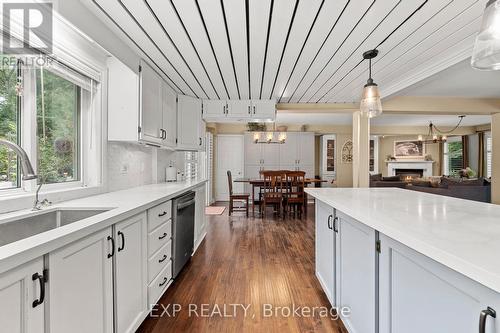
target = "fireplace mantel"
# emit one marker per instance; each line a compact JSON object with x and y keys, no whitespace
{"x":426,"y":166}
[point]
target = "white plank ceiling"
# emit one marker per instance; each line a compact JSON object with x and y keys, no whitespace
{"x":307,"y":51}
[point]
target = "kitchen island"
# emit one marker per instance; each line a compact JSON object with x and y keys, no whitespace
{"x":408,"y":262}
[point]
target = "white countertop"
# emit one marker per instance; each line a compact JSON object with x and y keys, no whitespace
{"x":461,"y":234}
{"x":123,"y":204}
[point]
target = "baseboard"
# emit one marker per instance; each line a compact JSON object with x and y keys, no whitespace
{"x":199,"y":243}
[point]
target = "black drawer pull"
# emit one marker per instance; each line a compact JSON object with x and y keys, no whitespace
{"x":162,"y":214}
{"x":163,"y":236}
{"x":482,"y":318}
{"x":112,"y":246}
{"x":41,"y":280}
{"x":164,"y":281}
{"x":163,"y":259}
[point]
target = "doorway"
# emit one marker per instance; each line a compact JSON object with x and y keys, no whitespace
{"x":229,"y":157}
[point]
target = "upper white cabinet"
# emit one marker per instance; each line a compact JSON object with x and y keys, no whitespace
{"x":22,"y":298}
{"x":190,"y":125}
{"x":141,"y":108}
{"x":239,"y":110}
{"x":325,"y":249}
{"x":82,"y":272}
{"x":410,"y":282}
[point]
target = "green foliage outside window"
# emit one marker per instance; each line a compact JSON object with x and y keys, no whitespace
{"x":455,"y":157}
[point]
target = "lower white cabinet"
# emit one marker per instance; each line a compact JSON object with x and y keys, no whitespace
{"x":325,"y":249}
{"x":417,"y":294}
{"x":355,"y":261}
{"x":130,"y":273}
{"x":199,"y":218}
{"x":22,"y":298}
{"x":81,"y":285}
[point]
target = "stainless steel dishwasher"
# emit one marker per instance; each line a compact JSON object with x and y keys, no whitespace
{"x":183,"y":230}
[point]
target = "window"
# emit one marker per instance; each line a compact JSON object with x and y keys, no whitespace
{"x":9,"y":125}
{"x":453,"y":158}
{"x":489,"y":149}
{"x":58,"y":119}
{"x":191,"y":165}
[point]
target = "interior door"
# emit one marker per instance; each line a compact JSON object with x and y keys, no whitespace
{"x":229,"y":157}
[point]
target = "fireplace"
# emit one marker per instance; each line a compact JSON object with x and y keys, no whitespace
{"x":409,"y":174}
{"x":411,"y":168}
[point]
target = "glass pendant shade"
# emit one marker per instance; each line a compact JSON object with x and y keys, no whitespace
{"x":371,"y":104}
{"x":486,"y":54}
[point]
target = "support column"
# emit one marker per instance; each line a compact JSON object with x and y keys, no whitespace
{"x":361,"y":150}
{"x":495,"y":161}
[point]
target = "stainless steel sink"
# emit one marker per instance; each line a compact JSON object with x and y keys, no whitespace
{"x":36,"y":223}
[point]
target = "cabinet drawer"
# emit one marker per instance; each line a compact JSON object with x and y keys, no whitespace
{"x":159,"y":237}
{"x":159,"y":214}
{"x":159,"y":260}
{"x":160,"y":284}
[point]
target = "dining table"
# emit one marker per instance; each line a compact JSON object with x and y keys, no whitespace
{"x":259,"y":183}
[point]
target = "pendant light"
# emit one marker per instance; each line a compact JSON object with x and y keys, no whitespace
{"x":486,"y":54}
{"x":371,"y":104}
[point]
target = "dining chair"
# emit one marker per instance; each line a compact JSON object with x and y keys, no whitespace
{"x":295,"y":197}
{"x":273,"y":190}
{"x":236,"y":197}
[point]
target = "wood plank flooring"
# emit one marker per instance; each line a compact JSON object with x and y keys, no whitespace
{"x":252,"y":262}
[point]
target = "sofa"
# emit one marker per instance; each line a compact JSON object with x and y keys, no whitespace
{"x":471,"y":189}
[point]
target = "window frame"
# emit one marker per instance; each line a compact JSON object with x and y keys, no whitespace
{"x":446,"y":162}
{"x":488,"y":156}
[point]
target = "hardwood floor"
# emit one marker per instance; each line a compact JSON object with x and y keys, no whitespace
{"x":250,"y":262}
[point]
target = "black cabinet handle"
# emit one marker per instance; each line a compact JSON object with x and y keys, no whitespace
{"x":122,"y":236}
{"x":482,"y":318}
{"x":112,"y":246}
{"x":163,"y":259}
{"x":41,"y":280}
{"x":164,"y":281}
{"x":200,"y":142}
{"x":162,"y":214}
{"x":249,"y":110}
{"x":163,"y":236}
{"x":330,"y":222}
{"x":335,"y":226}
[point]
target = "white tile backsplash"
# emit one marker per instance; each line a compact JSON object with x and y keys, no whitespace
{"x":132,"y":164}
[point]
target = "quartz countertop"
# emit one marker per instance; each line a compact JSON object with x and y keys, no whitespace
{"x":121,"y":204}
{"x":461,"y":234}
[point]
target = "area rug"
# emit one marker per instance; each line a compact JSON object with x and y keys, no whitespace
{"x":214,"y":210}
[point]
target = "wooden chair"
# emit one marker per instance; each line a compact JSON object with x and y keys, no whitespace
{"x":295,"y":197}
{"x":236,"y":197}
{"x":273,"y":190}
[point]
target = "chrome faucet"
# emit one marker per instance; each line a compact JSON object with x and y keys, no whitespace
{"x":38,"y":205}
{"x":28,"y":172}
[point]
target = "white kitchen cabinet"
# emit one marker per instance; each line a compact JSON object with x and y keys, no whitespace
{"x":288,"y":150}
{"x":253,"y":151}
{"x":214,"y":108}
{"x":270,"y":156}
{"x":202,"y":133}
{"x":19,"y":289}
{"x":418,"y":294}
{"x":264,"y":109}
{"x":151,"y":105}
{"x":305,"y":153}
{"x":200,"y":218}
{"x":239,"y":109}
{"x":325,"y":249}
{"x":130,"y":272}
{"x":81,"y":285}
{"x":188,"y":123}
{"x":169,"y":116}
{"x":355,"y":272}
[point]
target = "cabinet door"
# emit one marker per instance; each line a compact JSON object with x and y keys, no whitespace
{"x":81,"y":274}
{"x":264,"y":109}
{"x":253,"y":154}
{"x":355,"y":273}
{"x":271,"y":154}
{"x":410,"y":282}
{"x":306,"y":149}
{"x":200,"y":219}
{"x":202,"y":131}
{"x":131,"y":280}
{"x":188,"y":115}
{"x":18,"y":290}
{"x":288,"y":151}
{"x":240,"y":109}
{"x":151,"y":105}
{"x":214,"y":109}
{"x":169,"y":116}
{"x":325,"y":249}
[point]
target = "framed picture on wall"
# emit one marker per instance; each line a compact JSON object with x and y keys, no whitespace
{"x":409,"y":149}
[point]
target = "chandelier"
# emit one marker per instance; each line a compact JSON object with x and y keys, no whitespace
{"x":270,"y":137}
{"x":435,"y":135}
